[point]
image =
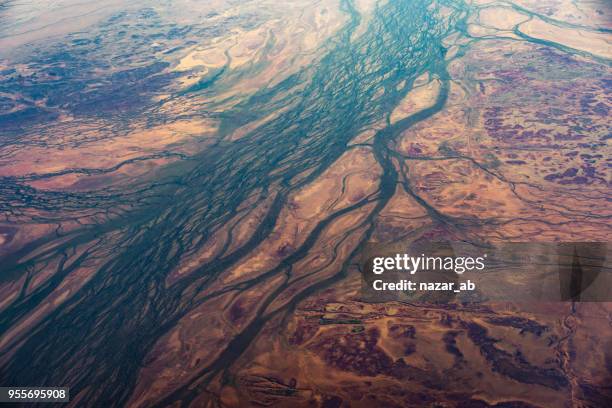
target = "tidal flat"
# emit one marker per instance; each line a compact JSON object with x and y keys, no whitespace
{"x":186,"y":187}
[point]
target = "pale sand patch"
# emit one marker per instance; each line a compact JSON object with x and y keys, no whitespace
{"x":417,"y":99}
{"x":479,"y":31}
{"x":213,"y":58}
{"x":598,"y":44}
{"x":365,"y":8}
{"x":251,"y":126}
{"x":202,"y":61}
{"x":278,"y":48}
{"x":248,"y":47}
{"x":500,"y":18}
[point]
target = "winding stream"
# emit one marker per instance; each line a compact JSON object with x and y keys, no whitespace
{"x":102,"y":334}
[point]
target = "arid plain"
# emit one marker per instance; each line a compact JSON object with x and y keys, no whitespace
{"x":185,"y":189}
